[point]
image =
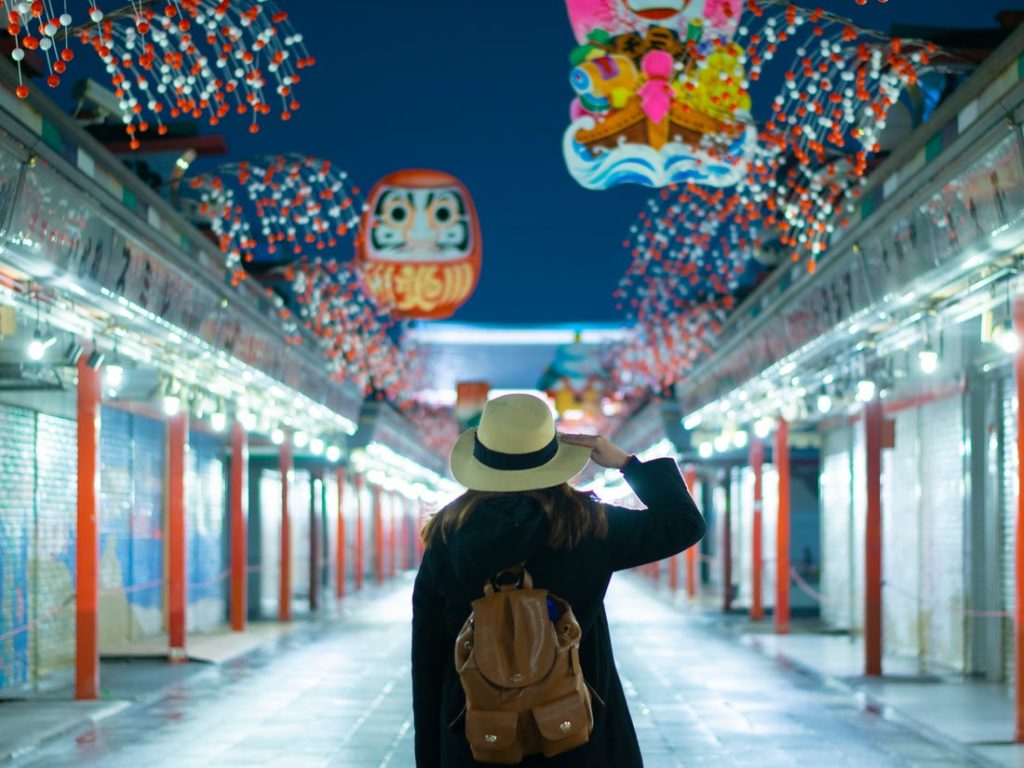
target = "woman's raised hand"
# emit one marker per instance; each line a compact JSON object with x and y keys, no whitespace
{"x":603,"y":452}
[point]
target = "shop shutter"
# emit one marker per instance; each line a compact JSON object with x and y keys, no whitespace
{"x":1010,"y":467}
{"x":17,"y":510}
{"x":149,"y":445}
{"x":835,"y":528}
{"x":115,"y":528}
{"x":942,"y":539}
{"x":270,"y":542}
{"x":56,"y":531}
{"x":204,"y":531}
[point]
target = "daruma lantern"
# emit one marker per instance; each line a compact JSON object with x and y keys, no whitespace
{"x":420,"y":244}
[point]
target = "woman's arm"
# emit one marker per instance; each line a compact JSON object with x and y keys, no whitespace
{"x":671,"y":522}
{"x":430,"y":651}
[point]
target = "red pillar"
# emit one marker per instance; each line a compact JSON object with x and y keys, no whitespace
{"x":873,"y":426}
{"x":378,"y":536}
{"x":177,"y":572}
{"x":727,"y":548}
{"x":1018,"y":636}
{"x":87,"y":549}
{"x":756,"y":464}
{"x":782,"y":530}
{"x":339,"y":588}
{"x":393,"y":506}
{"x":406,"y":528}
{"x":359,"y":531}
{"x":238,"y":503}
{"x":284,"y":599}
{"x":690,"y":476}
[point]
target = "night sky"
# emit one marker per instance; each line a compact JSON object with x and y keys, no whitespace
{"x":479,"y":88}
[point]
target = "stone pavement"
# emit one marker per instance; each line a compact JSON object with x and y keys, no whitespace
{"x":338,"y":694}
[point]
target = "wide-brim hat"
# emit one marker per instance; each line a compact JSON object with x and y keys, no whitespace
{"x":515,"y":448}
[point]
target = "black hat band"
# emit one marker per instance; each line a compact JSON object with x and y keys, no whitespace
{"x":512,"y":461}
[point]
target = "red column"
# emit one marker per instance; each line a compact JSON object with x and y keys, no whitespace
{"x":727,"y":548}
{"x":359,"y":531}
{"x":782,"y":530}
{"x":406,"y":528}
{"x":87,"y":548}
{"x":756,"y":464}
{"x":284,"y":598}
{"x":177,"y":573}
{"x":1018,"y":636}
{"x":690,"y":476}
{"x":239,"y":504}
{"x":393,"y":506}
{"x":378,"y":536}
{"x":873,"y":425}
{"x":339,"y":554}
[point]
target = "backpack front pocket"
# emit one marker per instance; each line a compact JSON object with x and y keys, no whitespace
{"x":565,"y":723}
{"x":493,"y":736}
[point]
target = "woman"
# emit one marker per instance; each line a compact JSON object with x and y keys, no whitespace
{"x":519,"y":509}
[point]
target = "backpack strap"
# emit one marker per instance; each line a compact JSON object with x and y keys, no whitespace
{"x":521,"y":579}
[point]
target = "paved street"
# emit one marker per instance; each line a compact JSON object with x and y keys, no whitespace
{"x":339,"y":695}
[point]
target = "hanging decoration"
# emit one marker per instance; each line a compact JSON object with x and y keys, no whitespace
{"x":196,"y":58}
{"x":301,"y":204}
{"x":662,"y":94}
{"x":420,"y":244}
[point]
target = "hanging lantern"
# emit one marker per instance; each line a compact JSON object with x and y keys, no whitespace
{"x":419,"y":245}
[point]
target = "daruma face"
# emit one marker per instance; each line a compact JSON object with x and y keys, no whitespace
{"x":420,"y":244}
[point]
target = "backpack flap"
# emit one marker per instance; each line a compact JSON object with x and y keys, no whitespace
{"x":493,"y":736}
{"x":565,"y":723}
{"x":514,"y":644}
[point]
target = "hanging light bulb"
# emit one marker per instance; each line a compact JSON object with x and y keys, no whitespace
{"x":171,"y":404}
{"x":114,"y":376}
{"x":763,"y":427}
{"x":317,"y":446}
{"x":300,"y":439}
{"x":1004,"y":338}
{"x":721,"y":443}
{"x":740,"y":438}
{"x":277,"y":436}
{"x":333,"y":453}
{"x":39,"y":344}
{"x":824,"y":403}
{"x":865,"y":390}
{"x":219,"y":418}
{"x":705,"y":450}
{"x":928,"y":358}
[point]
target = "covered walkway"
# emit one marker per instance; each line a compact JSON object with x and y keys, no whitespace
{"x":337,"y":693}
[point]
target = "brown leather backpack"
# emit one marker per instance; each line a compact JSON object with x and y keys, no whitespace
{"x":518,"y":661}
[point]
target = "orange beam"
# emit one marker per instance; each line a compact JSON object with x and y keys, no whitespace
{"x":873,"y":435}
{"x":87,"y":549}
{"x":378,"y":536}
{"x":359,"y":531}
{"x":782,"y":530}
{"x":757,"y":465}
{"x":690,"y":476}
{"x":1018,"y":636}
{"x":339,"y":586}
{"x":284,"y":598}
{"x":177,"y":573}
{"x":239,"y":504}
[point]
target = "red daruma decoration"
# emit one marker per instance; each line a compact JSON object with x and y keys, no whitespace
{"x":420,"y":244}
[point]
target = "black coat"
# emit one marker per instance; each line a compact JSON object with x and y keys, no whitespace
{"x":511,"y":529}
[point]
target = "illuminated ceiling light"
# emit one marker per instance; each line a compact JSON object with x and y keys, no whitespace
{"x":300,"y":439}
{"x":692,"y":421}
{"x":115,"y":375}
{"x":722,"y":443}
{"x":277,"y":436}
{"x":865,"y":390}
{"x":763,"y":427}
{"x":740,"y":438}
{"x":1006,"y":339}
{"x":248,"y":420}
{"x":829,"y":378}
{"x":39,"y":344}
{"x":824,"y":403}
{"x":317,"y":446}
{"x":171,"y":405}
{"x":725,"y":406}
{"x":219,"y":419}
{"x":705,"y":450}
{"x":333,"y":453}
{"x":788,"y":368}
{"x":928,"y":359}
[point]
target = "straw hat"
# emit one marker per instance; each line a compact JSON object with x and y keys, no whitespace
{"x":515,"y":448}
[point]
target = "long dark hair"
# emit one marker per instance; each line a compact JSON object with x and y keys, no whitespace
{"x":571,"y":515}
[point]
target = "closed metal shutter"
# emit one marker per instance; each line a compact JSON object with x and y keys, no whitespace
{"x":836,"y":528}
{"x":270,"y":542}
{"x":56,"y":533}
{"x":299,"y":514}
{"x":769,"y":533}
{"x":1010,"y":467}
{"x":942,"y":516}
{"x":17,"y":510}
{"x":149,"y":445}
{"x":901,"y":544}
{"x":204,"y":531}
{"x":859,"y":495}
{"x":115,"y":528}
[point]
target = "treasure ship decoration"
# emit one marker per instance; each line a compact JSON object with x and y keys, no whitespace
{"x":419,"y":246}
{"x":205,"y":59}
{"x":661,"y":94}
